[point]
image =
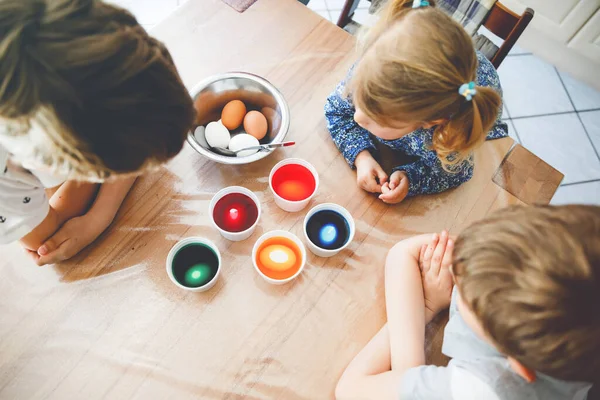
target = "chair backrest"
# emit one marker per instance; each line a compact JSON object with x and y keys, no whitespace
{"x":508,"y":26}
{"x":492,"y":14}
{"x":469,"y":13}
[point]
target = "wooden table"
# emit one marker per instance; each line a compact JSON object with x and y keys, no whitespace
{"x":110,"y":324}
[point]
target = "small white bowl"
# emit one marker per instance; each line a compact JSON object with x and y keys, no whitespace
{"x":289,"y":205}
{"x":319,"y":251}
{"x":178,"y":246}
{"x":285,"y":234}
{"x":234,"y":236}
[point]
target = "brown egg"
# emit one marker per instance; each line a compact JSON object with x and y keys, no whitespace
{"x":233,"y":114}
{"x":255,"y":124}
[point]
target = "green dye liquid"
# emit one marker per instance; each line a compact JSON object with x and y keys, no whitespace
{"x":198,"y":275}
{"x":195,"y":265}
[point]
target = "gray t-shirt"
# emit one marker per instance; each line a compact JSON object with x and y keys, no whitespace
{"x":23,"y":202}
{"x":478,"y":371}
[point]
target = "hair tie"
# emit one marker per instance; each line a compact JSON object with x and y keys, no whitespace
{"x":467,"y":90}
{"x":420,"y":3}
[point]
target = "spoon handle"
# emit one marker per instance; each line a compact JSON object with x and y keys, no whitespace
{"x":284,"y":144}
{"x":267,"y":146}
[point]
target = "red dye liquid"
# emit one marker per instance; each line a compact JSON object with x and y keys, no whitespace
{"x":294,"y":182}
{"x":235,"y":212}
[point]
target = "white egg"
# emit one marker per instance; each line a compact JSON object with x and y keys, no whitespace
{"x":217,"y":135}
{"x":200,"y":136}
{"x":242,"y":141}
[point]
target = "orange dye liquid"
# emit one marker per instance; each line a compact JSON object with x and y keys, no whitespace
{"x":278,"y":258}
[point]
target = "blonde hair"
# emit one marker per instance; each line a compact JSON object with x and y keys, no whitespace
{"x":531,"y":275}
{"x":106,"y":95}
{"x":414,"y":62}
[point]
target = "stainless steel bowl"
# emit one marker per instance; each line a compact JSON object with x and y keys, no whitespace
{"x":211,"y":95}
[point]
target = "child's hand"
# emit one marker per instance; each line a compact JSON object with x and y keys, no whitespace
{"x":396,"y":190}
{"x":434,"y":261}
{"x":76,"y":234}
{"x":368,"y":172}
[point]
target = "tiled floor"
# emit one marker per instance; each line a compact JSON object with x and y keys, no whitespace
{"x":550,"y":113}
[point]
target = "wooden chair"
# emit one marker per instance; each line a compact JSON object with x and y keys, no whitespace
{"x":501,"y":21}
{"x":508,"y":26}
{"x":347,"y":13}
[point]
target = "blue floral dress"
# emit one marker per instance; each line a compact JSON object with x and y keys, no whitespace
{"x":426,"y":174}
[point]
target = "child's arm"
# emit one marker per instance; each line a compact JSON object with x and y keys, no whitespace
{"x":418,"y":285}
{"x":427,"y":176}
{"x":373,"y":374}
{"x":350,"y":138}
{"x":353,"y":141}
{"x":368,"y":376}
{"x":405,"y":303}
{"x":79,"y":232}
{"x":426,"y":259}
{"x":71,"y":199}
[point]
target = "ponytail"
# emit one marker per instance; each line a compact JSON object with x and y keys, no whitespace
{"x":396,"y":8}
{"x":467,"y":129}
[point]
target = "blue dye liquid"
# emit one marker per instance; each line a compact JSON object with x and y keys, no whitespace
{"x":328,"y":233}
{"x":328,"y":229}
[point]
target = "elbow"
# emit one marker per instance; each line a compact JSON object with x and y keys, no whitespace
{"x":398,"y":249}
{"x":329,"y":108}
{"x":466,"y":175}
{"x":469,"y":174}
{"x":393,"y":255}
{"x":343,"y":389}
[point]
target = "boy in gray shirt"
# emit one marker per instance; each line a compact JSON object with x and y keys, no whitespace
{"x":522,"y":319}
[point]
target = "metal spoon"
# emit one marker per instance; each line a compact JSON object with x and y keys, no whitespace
{"x":262,"y":147}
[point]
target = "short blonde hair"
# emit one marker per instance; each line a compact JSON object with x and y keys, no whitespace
{"x":106,"y":96}
{"x":531,"y":275}
{"x":414,"y":62}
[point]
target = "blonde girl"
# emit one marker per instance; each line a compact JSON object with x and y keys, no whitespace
{"x":421,"y":89}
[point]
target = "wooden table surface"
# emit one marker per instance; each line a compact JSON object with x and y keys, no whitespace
{"x":110,"y":325}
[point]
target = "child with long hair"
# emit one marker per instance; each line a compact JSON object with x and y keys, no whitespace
{"x":421,"y":89}
{"x":86,"y":97}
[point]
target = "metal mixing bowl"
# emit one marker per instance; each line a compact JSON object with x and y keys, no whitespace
{"x":211,"y":95}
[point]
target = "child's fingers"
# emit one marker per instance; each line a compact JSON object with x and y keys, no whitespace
{"x":395,"y":180}
{"x":387,"y":196}
{"x":422,"y":253}
{"x":438,"y":254}
{"x":381,"y":175}
{"x":33,"y":255}
{"x":429,"y":251}
{"x":370,"y":185}
{"x":395,"y":195}
{"x":447,"y":260}
{"x":385,"y":188}
{"x":390,"y":197}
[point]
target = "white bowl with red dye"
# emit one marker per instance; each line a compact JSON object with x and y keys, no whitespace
{"x":293,"y":182}
{"x":235,"y":221}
